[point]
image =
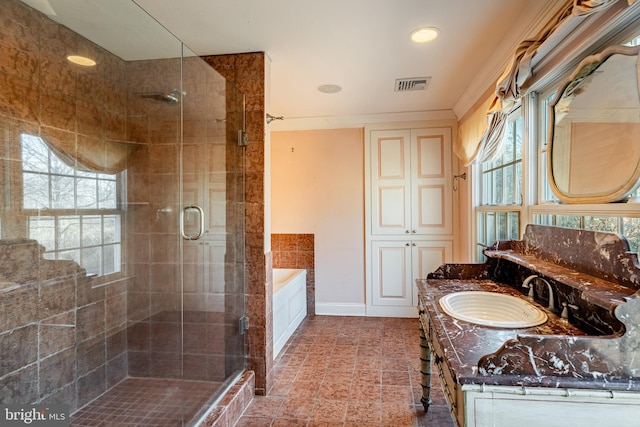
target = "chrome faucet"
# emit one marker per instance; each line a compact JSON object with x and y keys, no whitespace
{"x":552,"y":304}
{"x":528,"y":284}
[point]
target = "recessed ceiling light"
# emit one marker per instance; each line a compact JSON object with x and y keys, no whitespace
{"x":329,"y":88}
{"x":81,"y":60}
{"x":424,"y":35}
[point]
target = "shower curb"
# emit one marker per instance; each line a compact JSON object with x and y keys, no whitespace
{"x":230,"y":407}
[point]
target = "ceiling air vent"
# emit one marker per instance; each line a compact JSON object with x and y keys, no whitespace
{"x":413,"y":83}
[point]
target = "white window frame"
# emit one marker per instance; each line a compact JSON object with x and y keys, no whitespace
{"x":553,"y":207}
{"x":53,"y":218}
{"x":477,"y":196}
{"x":559,"y":56}
{"x":538,"y":132}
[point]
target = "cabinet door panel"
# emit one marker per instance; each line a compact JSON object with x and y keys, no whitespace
{"x":391,"y":208}
{"x":390,"y":182}
{"x":431,"y":205}
{"x":426,"y":256}
{"x":431,"y":210}
{"x":391,"y":156}
{"x":391,"y":263}
{"x":430,"y":154}
{"x":409,"y":214}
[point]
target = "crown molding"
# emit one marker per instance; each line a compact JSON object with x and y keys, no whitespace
{"x":525,"y":27}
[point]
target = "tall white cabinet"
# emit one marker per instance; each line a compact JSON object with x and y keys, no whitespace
{"x":409,"y":214}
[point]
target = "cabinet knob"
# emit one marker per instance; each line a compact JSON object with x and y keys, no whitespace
{"x":406,"y":244}
{"x":413,"y":244}
{"x":413,"y":231}
{"x":406,"y":231}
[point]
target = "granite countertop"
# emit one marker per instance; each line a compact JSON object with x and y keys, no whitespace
{"x":464,"y":343}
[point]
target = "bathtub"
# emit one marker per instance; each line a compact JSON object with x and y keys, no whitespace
{"x":289,"y":304}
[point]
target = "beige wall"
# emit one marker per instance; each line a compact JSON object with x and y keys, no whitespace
{"x":317,"y":180}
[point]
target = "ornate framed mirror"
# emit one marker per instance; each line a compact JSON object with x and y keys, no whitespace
{"x":594,"y":129}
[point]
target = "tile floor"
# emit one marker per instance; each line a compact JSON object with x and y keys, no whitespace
{"x":146,"y":402}
{"x":349,"y":371}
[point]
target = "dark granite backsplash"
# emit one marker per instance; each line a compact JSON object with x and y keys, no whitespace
{"x":588,"y":317}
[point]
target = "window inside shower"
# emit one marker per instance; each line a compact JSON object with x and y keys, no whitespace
{"x":121,"y":301}
{"x":72,"y":213}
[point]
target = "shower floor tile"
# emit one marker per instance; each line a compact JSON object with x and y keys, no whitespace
{"x":146,"y":402}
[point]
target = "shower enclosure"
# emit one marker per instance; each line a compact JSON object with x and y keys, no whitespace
{"x":121,"y":218}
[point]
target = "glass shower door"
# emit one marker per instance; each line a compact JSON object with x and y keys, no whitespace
{"x":107,"y":308}
{"x":212,"y":224}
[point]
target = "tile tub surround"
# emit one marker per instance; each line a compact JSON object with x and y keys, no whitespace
{"x":576,"y":354}
{"x":297,"y":251}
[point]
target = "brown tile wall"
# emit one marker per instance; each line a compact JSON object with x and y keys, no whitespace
{"x":297,"y":251}
{"x":62,"y":334}
{"x":247,"y":72}
{"x":67,"y":333}
{"x":211,"y":165}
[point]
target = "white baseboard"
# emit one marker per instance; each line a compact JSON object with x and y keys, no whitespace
{"x":340,"y":309}
{"x":345,"y":309}
{"x":392,"y":311}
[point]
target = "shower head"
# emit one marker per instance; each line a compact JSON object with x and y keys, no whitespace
{"x":171,"y":98}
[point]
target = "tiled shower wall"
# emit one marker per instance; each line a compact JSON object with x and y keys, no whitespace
{"x":247,"y":72}
{"x":63,"y":332}
{"x":213,"y":272}
{"x":297,"y":251}
{"x":76,"y":326}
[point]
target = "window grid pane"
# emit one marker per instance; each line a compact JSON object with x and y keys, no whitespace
{"x":501,"y":184}
{"x":68,"y":232}
{"x":631,"y":230}
{"x":628,"y":227}
{"x":601,"y":223}
{"x":493,"y":226}
{"x":93,"y":240}
{"x":502,"y":178}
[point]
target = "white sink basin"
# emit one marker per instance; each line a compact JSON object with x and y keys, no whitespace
{"x":492,"y":309}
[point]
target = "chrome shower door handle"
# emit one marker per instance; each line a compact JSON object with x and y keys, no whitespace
{"x":201,"y":229}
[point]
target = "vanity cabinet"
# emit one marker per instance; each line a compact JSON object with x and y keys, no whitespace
{"x":452,"y":390}
{"x":578,"y":368}
{"x":409,"y":214}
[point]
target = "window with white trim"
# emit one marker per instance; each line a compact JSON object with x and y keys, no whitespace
{"x":613,"y":217}
{"x":501,"y":190}
{"x":545,"y":194}
{"x":621,"y":218}
{"x":72,"y":213}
